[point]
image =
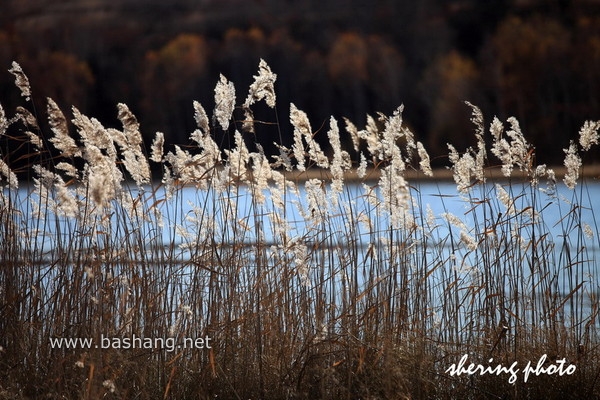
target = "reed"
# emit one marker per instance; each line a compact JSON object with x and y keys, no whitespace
{"x":296,"y":284}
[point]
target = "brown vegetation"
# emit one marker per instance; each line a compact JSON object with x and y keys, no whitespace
{"x":537,"y":61}
{"x":307,"y":289}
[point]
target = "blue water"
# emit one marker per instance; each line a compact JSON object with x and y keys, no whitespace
{"x":559,"y":214}
{"x":563,"y":217}
{"x":353,"y":238}
{"x":549,"y":252}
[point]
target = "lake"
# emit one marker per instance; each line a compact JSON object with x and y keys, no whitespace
{"x":534,"y":241}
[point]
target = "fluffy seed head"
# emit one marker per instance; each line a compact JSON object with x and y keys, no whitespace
{"x":61,"y":139}
{"x":353,"y":131}
{"x":362,"y":167}
{"x":9,"y":175}
{"x":468,"y":241}
{"x":224,"y":102}
{"x":341,"y":159}
{"x":424,"y":163}
{"x":201,"y":118}
{"x":572,"y":163}
{"x":21,"y":80}
{"x":263,"y":86}
{"x":3,"y":121}
{"x":588,"y":135}
{"x":156,"y":154}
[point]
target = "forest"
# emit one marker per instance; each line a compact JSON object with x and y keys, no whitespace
{"x":538,"y":61}
{"x":175,"y":171}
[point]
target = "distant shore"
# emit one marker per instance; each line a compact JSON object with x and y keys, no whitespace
{"x":440,"y":174}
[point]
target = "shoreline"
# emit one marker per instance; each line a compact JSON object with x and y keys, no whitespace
{"x":439,"y":174}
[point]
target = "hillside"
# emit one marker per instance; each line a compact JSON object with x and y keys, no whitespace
{"x":535,"y":60}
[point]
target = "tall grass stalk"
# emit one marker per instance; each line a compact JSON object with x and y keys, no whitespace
{"x":307,"y":285}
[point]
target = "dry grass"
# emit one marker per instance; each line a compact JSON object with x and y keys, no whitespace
{"x":307,"y":285}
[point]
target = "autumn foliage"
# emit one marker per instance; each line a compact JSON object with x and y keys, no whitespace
{"x":530,"y":60}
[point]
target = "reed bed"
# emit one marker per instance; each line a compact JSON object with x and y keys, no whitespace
{"x":297,"y":286}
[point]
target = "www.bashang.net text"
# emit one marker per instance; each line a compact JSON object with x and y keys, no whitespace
{"x":132,"y":342}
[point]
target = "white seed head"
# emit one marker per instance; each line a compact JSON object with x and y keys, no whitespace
{"x":572,"y":163}
{"x":588,"y":135}
{"x":21,"y":80}
{"x":224,"y":102}
{"x":158,"y":143}
{"x":263,"y":86}
{"x":424,"y":163}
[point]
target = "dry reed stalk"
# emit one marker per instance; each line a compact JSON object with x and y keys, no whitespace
{"x":310,"y":285}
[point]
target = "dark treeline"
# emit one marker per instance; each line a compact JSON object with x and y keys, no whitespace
{"x":536,"y":60}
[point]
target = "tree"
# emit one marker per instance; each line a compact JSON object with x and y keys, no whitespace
{"x":447,"y":84}
{"x":60,"y":76}
{"x":386,"y":75}
{"x":347,"y":66}
{"x":173,"y":77}
{"x":240,"y":53}
{"x":586,"y":66}
{"x":528,"y":61}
